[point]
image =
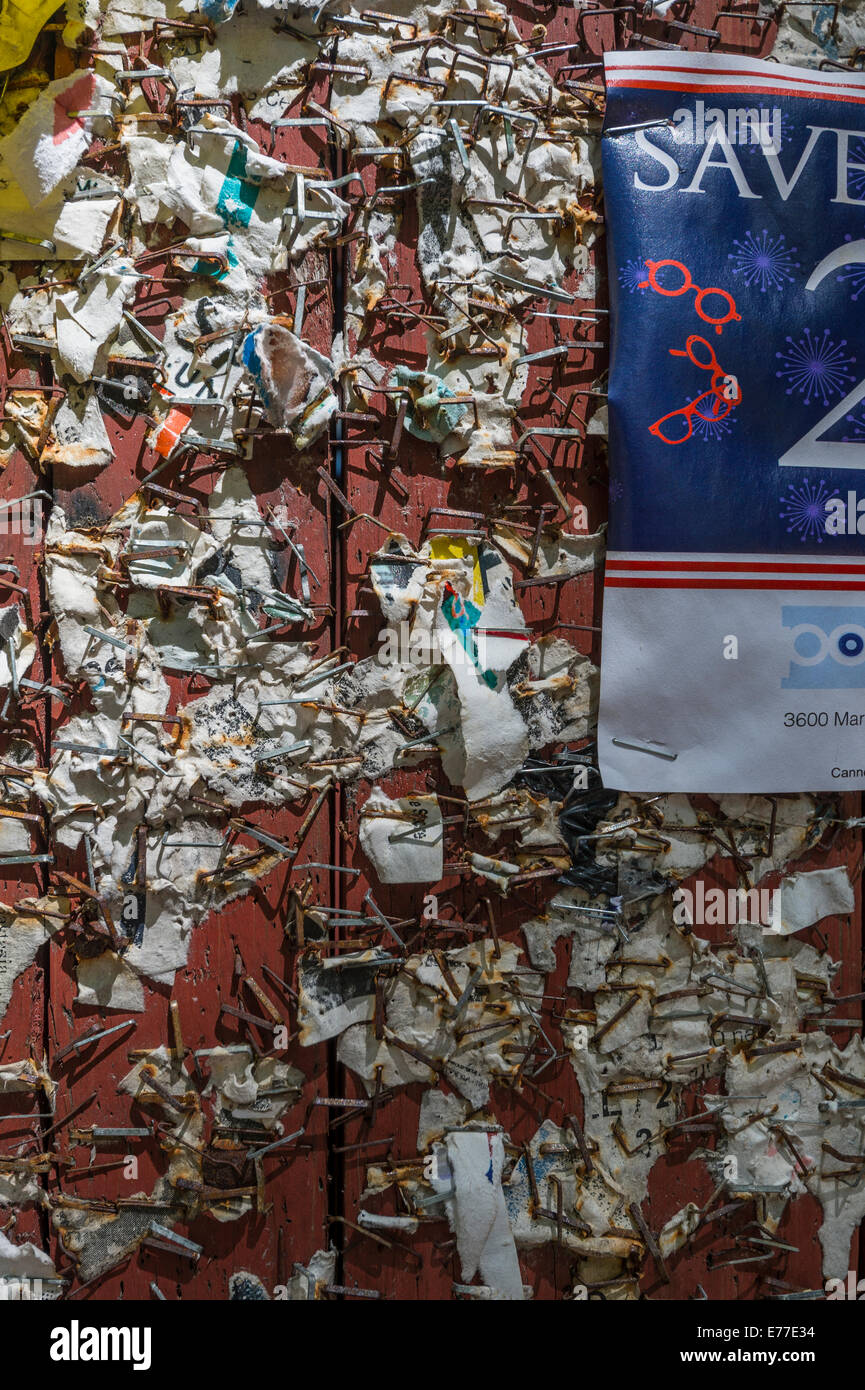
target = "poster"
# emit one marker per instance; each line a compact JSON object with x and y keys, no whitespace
{"x":734,"y":603}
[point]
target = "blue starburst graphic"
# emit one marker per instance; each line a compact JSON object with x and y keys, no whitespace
{"x":856,"y":176}
{"x":857,"y":420}
{"x":632,"y":274}
{"x":763,"y":260}
{"x":853,"y":275}
{"x":815,"y":366}
{"x":778,"y":138}
{"x":713,"y":428}
{"x":804,"y":507}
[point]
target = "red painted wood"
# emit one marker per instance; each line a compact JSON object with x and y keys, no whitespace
{"x":323,"y":1181}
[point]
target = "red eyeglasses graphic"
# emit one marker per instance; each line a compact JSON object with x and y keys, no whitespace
{"x":700,"y":295}
{"x":715,"y":404}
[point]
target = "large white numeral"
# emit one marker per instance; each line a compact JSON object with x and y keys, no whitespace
{"x":811,"y":451}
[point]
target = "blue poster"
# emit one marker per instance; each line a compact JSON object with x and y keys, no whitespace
{"x":733,"y":650}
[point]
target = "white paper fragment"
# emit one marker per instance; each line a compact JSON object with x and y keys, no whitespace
{"x":26,"y":1272}
{"x":376,"y":1221}
{"x":88,"y":317}
{"x":407,"y":845}
{"x":292,"y":379}
{"x":807,"y":898}
{"x":676,"y":1232}
{"x":477,"y":1212}
{"x":439,"y":1112}
{"x":492,"y":733}
{"x":333,"y":994}
{"x":310,"y":1280}
{"x":21,"y":936}
{"x":107,"y":982}
{"x":78,"y":437}
{"x":48,"y":141}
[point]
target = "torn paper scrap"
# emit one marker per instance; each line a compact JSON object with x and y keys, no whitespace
{"x":52,"y":135}
{"x":478,"y":1214}
{"x":77,"y":437}
{"x":809,"y":897}
{"x":309,"y":1281}
{"x":375,"y":1221}
{"x":404,"y":839}
{"x":106,"y":982}
{"x":21,"y":936}
{"x":26,"y":1273}
{"x":292,"y":379}
{"x":334,"y":994}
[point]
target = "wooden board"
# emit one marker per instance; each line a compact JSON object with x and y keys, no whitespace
{"x":316,"y":1191}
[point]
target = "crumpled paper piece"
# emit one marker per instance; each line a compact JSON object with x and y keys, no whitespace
{"x":477,"y":1212}
{"x":807,"y":898}
{"x":293,"y":380}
